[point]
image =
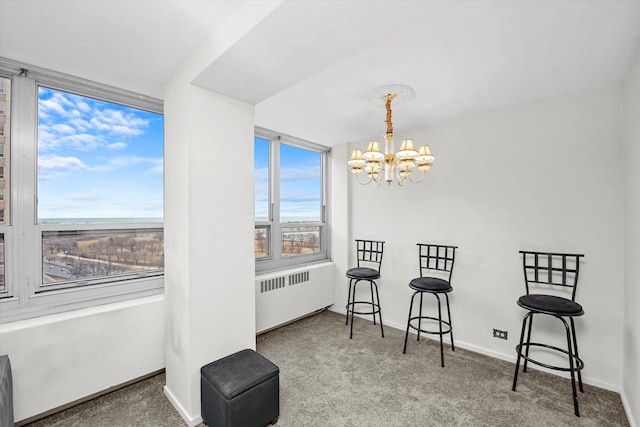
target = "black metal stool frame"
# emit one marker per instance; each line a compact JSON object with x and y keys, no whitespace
{"x":430,"y":257}
{"x":545,"y":273}
{"x":369,"y":252}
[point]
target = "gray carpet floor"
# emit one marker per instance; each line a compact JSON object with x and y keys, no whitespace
{"x":328,"y":380}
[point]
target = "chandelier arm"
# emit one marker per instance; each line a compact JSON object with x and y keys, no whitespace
{"x":363,"y":183}
{"x":424,"y":174}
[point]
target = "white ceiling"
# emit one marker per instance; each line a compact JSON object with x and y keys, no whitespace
{"x":309,"y":64}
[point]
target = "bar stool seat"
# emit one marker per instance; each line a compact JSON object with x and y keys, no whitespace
{"x":430,"y":284}
{"x":551,"y":304}
{"x":363,"y":273}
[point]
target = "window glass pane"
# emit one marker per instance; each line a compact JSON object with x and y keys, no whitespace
{"x":261,"y":241}
{"x":261,"y":177}
{"x":300,"y":185}
{"x":97,"y":161}
{"x":300,"y":240}
{"x":81,"y":255}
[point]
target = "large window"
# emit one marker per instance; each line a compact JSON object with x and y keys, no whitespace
{"x":290,"y":201}
{"x":87,"y":202}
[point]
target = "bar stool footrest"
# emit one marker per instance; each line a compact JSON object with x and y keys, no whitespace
{"x":375,"y":308}
{"x":579,"y":364}
{"x":444,"y":322}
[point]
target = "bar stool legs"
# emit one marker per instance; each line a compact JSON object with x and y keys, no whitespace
{"x":374,"y":303}
{"x":575,"y":363}
{"x":441,"y":331}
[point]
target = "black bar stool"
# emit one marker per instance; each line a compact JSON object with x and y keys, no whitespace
{"x":559,"y":270}
{"x":369,"y":254}
{"x":434,"y":260}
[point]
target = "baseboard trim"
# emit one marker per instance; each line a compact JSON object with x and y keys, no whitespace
{"x":86,"y":398}
{"x":313,"y":313}
{"x":628,"y":409}
{"x":491,"y":353}
{"x":191,"y":421}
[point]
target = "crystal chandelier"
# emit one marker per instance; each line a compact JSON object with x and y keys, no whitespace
{"x":399,"y":166}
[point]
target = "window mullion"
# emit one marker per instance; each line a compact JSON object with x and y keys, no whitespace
{"x":23,"y":183}
{"x":274,"y":178}
{"x":326,"y":206}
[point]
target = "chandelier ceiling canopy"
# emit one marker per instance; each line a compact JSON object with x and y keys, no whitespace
{"x":399,"y":166}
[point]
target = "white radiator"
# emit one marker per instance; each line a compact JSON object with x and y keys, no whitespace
{"x":287,"y":295}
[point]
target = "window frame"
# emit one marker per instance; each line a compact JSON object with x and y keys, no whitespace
{"x":274,"y":260}
{"x":23,"y":297}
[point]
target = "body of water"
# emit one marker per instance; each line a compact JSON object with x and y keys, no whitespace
{"x":97,"y":220}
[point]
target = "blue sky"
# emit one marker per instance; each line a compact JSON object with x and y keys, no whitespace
{"x":97,"y":159}
{"x":300,"y":182}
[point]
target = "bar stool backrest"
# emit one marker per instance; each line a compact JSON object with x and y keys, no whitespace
{"x":551,"y":269}
{"x":370,"y":253}
{"x":436,"y":258}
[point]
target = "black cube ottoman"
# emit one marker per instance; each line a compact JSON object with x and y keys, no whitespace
{"x":240,"y":390}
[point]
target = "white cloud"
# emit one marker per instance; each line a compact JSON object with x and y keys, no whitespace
{"x":49,"y":105}
{"x":117,"y":146}
{"x":157,"y":168}
{"x":80,"y":124}
{"x":82,"y":141}
{"x":84,"y":107}
{"x":155,"y":164}
{"x":55,"y":166}
{"x":123,"y":161}
{"x":83,"y":124}
{"x":46,"y":139}
{"x":63,"y":128}
{"x":124,"y":130}
{"x":114,"y":121}
{"x":300,"y":172}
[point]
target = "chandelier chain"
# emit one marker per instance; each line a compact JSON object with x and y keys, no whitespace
{"x":389,"y":97}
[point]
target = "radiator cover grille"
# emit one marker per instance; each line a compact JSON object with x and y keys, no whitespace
{"x":275,"y":283}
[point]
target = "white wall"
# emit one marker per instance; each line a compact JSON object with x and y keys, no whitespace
{"x":340,"y":229}
{"x":543,"y":176}
{"x":631,"y":325}
{"x":65,"y":357}
{"x":209,"y":219}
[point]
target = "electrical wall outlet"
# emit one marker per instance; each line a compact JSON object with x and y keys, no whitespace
{"x":497,"y":333}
